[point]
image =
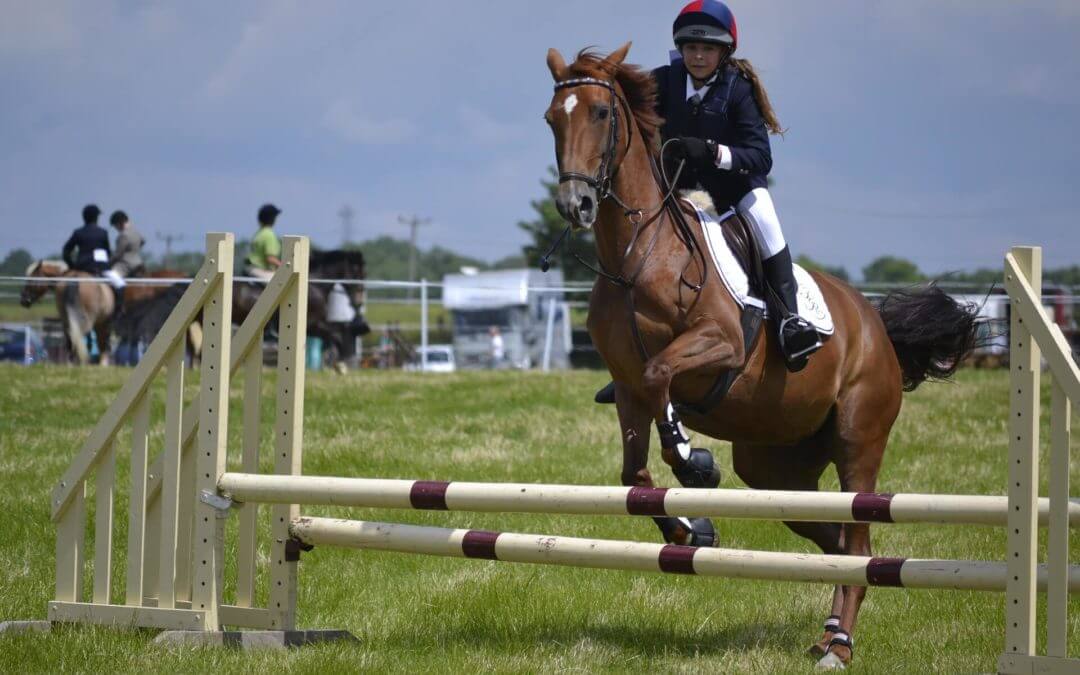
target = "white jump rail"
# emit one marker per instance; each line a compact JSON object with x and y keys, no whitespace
{"x":789,"y":505}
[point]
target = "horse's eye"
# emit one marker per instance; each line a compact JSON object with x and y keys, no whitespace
{"x":602,"y":114}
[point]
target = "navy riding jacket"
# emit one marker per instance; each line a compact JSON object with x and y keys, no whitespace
{"x":729,"y":115}
{"x":88,"y":239}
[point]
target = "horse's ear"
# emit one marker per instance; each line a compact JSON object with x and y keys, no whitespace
{"x":556,"y":64}
{"x":616,"y":57}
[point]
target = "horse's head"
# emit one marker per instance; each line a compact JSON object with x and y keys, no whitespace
{"x":590,"y":119}
{"x":42,"y":269}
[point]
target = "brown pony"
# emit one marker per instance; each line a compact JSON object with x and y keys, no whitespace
{"x":668,"y":330}
{"x":82,"y":306}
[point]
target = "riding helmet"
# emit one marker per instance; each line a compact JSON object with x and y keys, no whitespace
{"x":268,"y":213}
{"x":706,"y":21}
{"x":90,"y":213}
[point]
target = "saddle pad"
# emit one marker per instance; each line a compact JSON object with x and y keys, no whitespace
{"x":812,"y":305}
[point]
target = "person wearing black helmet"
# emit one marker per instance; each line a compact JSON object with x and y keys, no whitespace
{"x":717,"y":108}
{"x":87,"y":249}
{"x":265,"y":254}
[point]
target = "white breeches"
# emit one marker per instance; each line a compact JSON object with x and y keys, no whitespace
{"x":757,"y":207}
{"x":115,"y":279}
{"x":258,"y":273}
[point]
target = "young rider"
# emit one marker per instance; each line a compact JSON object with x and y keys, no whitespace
{"x":127,"y":259}
{"x":87,"y":249}
{"x":717,"y":108}
{"x":265,"y":255}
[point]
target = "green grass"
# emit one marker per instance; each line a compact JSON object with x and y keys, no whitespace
{"x":416,"y":614}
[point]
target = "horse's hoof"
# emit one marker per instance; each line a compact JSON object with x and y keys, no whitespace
{"x":700,"y":471}
{"x":340,"y":368}
{"x":702,"y":533}
{"x":830,"y":662}
{"x":687,"y":531}
{"x":819,"y":649}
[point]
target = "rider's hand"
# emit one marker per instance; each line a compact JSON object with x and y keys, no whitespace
{"x":698,"y":152}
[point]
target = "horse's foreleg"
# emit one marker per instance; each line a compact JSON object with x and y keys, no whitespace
{"x":634,"y":421}
{"x":706,"y":347}
{"x":104,"y":346}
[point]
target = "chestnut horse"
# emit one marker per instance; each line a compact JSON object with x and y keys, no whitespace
{"x":667,"y":329}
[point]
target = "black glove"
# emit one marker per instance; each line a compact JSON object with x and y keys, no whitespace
{"x":699,"y":153}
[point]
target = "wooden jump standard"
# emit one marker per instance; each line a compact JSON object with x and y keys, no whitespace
{"x":175,"y":545}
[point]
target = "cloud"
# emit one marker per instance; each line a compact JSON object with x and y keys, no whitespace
{"x":344,"y":120}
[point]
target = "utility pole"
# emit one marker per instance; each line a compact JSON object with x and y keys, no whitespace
{"x":414,"y":223}
{"x":168,"y":239}
{"x":346,"y":214}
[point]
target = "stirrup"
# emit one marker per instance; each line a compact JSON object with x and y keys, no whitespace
{"x":798,"y":340}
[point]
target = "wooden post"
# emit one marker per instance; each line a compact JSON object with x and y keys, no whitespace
{"x":213,"y":431}
{"x":70,"y":540}
{"x":169,"y":500}
{"x":140,"y":429}
{"x":105,"y":479}
{"x":247,"y":545}
{"x":1022,"y":533}
{"x":288,"y":428}
{"x":1057,"y":556}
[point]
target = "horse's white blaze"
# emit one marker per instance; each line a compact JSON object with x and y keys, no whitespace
{"x":569,"y":104}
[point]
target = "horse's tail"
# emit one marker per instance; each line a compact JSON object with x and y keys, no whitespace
{"x":931,"y":332}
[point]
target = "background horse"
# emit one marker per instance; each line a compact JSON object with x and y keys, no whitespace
{"x":667,"y":329}
{"x":333,"y":264}
{"x":82,"y":306}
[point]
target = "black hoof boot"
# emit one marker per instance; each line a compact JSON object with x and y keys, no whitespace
{"x":688,"y":531}
{"x":606,"y":395}
{"x":700,"y":471}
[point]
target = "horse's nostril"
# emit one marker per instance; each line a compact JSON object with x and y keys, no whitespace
{"x":586,"y":205}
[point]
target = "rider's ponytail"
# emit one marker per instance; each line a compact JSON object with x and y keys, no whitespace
{"x":760,"y":96}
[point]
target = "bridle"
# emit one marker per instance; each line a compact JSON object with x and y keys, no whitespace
{"x":602,"y":183}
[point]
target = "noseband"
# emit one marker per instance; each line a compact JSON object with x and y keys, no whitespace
{"x":601,"y":182}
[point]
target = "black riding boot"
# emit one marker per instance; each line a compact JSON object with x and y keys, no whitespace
{"x":606,"y":395}
{"x":798,"y":339}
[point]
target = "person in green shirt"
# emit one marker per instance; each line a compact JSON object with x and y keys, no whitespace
{"x":265,"y":255}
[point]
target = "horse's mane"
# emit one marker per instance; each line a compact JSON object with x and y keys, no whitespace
{"x":637,"y":85}
{"x":35,"y":266}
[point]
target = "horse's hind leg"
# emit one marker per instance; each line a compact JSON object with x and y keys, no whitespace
{"x":797,"y":467}
{"x":857,"y":465}
{"x":705,"y":347}
{"x":634,"y":421}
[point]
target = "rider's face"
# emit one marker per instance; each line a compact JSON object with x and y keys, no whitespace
{"x":701,"y":59}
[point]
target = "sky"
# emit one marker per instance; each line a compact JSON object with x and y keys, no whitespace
{"x":943,"y":132}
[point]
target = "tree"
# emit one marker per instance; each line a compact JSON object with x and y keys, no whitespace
{"x":546,"y":229}
{"x":811,"y":265}
{"x":889,"y":269}
{"x":16,"y":262}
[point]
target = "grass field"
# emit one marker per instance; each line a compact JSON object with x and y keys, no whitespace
{"x":418,"y":614}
